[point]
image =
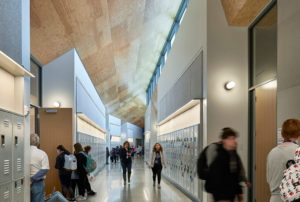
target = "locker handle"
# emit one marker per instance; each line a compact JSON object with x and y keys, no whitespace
{"x":16,"y":140}
{"x":2,"y":140}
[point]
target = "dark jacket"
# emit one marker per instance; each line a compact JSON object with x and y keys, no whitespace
{"x":107,"y":153}
{"x":123,"y":156}
{"x":224,"y":173}
{"x":81,"y":161}
{"x":60,"y":162}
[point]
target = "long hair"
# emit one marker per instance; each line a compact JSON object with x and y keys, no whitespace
{"x":126,"y":142}
{"x":63,"y":149}
{"x":87,"y":148}
{"x":78,"y":148}
{"x":154,"y":149}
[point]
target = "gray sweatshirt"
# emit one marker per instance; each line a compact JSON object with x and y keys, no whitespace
{"x":276,"y":164}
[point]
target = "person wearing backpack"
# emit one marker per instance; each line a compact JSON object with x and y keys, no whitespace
{"x":63,"y":172}
{"x":90,"y":192}
{"x":82,"y":174}
{"x":281,"y":155}
{"x":126,"y":160}
{"x":221,"y":167}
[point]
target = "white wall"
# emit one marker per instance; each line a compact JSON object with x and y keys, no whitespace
{"x":114,"y":126}
{"x":87,"y":98}
{"x":227,"y":59}
{"x":58,"y":81}
{"x":288,"y":72}
{"x":191,"y":37}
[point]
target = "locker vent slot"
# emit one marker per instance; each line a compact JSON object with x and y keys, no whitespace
{"x":19,"y":189}
{"x":19,"y":164}
{"x":19,"y":125}
{"x":6,"y":123}
{"x":6,"y":195}
{"x":6,"y":167}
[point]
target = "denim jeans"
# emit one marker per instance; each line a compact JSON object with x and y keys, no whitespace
{"x":57,"y":196}
{"x":37,"y":191}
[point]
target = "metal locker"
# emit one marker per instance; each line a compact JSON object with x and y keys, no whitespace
{"x":18,"y":190}
{"x":5,"y":192}
{"x":5,"y":147}
{"x":18,"y":146}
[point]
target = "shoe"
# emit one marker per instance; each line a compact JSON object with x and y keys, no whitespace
{"x":91,"y":193}
{"x":158,"y":186}
{"x":81,"y":198}
{"x":72,"y":199}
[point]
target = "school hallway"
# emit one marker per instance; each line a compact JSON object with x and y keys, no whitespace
{"x":110,"y":188}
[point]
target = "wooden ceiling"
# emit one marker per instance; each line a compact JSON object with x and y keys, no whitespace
{"x":242,"y":12}
{"x":119,"y":42}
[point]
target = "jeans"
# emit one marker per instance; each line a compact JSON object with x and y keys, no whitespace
{"x":37,"y":191}
{"x":126,"y":166}
{"x":57,"y":196}
{"x":156,"y":170}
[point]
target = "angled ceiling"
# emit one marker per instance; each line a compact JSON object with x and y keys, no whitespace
{"x":119,"y":42}
{"x":242,"y":12}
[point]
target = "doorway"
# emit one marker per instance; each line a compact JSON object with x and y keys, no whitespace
{"x":265,"y":136}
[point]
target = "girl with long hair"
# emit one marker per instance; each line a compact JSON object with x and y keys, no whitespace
{"x":126,"y":161}
{"x":157,"y":162}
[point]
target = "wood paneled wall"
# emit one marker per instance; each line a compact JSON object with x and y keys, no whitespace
{"x":265,"y":138}
{"x":55,"y":129}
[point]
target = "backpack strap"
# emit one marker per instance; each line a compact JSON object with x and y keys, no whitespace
{"x":211,"y":153}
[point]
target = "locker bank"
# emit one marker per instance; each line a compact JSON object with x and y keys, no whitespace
{"x":173,"y":72}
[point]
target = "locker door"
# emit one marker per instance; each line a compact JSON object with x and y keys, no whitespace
{"x":5,"y":192}
{"x":18,"y":190}
{"x":18,"y":146}
{"x":5,"y":147}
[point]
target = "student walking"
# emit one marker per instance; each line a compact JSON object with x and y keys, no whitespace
{"x":157,"y":162}
{"x":126,"y":161}
{"x":280,"y":155}
{"x":39,"y":166}
{"x":64,"y":174}
{"x":220,"y":165}
{"x":107,"y":155}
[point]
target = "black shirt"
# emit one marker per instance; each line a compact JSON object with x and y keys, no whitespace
{"x":157,"y":160}
{"x":124,"y":155}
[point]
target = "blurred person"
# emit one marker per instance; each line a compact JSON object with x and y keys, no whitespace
{"x":225,"y":170}
{"x":113,"y":157}
{"x":107,"y":155}
{"x":64,"y":174}
{"x":117,"y":153}
{"x":90,"y":192}
{"x":126,"y":161}
{"x":82,"y":174}
{"x":39,"y":166}
{"x":157,"y":162}
{"x":280,"y":155}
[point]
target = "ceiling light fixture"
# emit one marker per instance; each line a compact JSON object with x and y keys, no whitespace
{"x":229,"y":85}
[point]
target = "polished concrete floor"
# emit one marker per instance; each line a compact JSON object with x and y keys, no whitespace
{"x":109,"y":186}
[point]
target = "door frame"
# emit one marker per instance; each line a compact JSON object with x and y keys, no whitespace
{"x":251,"y":102}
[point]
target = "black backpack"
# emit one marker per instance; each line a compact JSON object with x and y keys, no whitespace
{"x":202,"y":167}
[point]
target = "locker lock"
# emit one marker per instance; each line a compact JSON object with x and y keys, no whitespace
{"x":16,"y":140}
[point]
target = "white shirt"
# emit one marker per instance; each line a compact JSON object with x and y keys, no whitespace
{"x":39,"y":160}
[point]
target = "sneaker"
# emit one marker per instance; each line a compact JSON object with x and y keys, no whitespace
{"x":158,"y":186}
{"x":72,"y":199}
{"x":81,"y":198}
{"x":91,"y":193}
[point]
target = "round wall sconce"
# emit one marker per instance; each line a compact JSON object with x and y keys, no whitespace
{"x":57,"y":104}
{"x":229,"y":85}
